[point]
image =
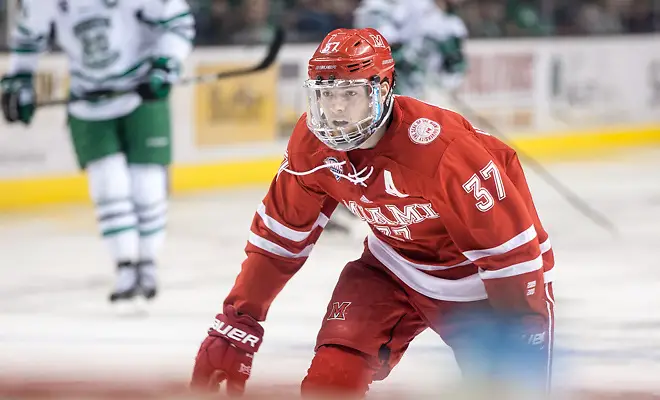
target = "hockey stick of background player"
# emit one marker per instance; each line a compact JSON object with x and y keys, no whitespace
{"x":571,"y":197}
{"x":268,"y":60}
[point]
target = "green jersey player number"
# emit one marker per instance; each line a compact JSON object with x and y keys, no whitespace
{"x":94,"y":39}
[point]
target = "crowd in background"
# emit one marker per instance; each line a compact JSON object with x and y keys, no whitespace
{"x":252,"y":21}
{"x":244,"y":21}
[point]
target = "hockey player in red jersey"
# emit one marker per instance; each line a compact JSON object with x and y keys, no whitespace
{"x":456,"y":244}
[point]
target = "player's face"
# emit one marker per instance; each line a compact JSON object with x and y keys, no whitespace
{"x":345,"y":106}
{"x":343,"y":113}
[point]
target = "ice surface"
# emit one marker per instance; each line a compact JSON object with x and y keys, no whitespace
{"x":55,"y":322}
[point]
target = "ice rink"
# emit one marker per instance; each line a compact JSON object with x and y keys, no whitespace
{"x":56,"y":324}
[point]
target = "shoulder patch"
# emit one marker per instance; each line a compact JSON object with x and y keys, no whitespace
{"x":424,"y":131}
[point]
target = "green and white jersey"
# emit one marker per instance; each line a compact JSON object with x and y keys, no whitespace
{"x":109,"y":44}
{"x":443,"y":49}
{"x":422,"y":37}
{"x":399,"y":21}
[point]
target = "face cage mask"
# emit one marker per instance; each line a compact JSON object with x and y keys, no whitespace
{"x":356,"y":130}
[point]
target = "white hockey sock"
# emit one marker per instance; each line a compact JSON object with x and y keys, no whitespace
{"x":149,"y":189}
{"x":109,"y":187}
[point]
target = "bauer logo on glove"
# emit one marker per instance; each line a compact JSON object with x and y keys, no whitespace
{"x":236,"y":334}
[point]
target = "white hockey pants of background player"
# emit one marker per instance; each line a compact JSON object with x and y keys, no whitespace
{"x":131,"y":208}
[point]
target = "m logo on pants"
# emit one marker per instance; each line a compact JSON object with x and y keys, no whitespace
{"x":339,"y":310}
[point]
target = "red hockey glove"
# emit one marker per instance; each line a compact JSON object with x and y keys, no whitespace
{"x":227,"y":353}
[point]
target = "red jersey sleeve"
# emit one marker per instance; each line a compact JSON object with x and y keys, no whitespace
{"x":284,"y":230}
{"x":515,"y":173}
{"x":489,"y":221}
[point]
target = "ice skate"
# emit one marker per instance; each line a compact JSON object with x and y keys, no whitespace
{"x":146,"y":272}
{"x":126,"y":285}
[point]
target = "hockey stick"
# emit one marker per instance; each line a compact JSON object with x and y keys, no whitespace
{"x":571,"y":197}
{"x":265,"y":63}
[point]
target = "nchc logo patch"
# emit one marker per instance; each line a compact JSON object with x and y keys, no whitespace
{"x":337,"y":170}
{"x":338,"y":311}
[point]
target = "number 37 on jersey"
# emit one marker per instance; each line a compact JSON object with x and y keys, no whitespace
{"x":485,"y":199}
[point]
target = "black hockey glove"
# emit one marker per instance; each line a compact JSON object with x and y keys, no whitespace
{"x":18,"y":97}
{"x":163,"y":72}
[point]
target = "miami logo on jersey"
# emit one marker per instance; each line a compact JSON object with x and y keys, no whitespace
{"x":391,"y":220}
{"x":338,"y":311}
{"x":391,"y":214}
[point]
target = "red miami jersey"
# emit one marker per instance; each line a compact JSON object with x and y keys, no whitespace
{"x":450,"y":212}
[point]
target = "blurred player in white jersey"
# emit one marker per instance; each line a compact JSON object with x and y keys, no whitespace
{"x":123,"y":58}
{"x":427,"y":42}
{"x":444,"y":55}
